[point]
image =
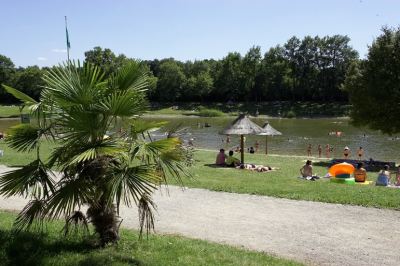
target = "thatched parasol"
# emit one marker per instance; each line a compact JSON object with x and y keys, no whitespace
{"x":268,"y":130}
{"x":242,"y":126}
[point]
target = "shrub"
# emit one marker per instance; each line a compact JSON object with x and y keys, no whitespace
{"x":290,"y":114}
{"x":205,"y":112}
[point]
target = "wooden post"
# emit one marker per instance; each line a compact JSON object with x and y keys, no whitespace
{"x":242,"y":149}
{"x":266,"y":144}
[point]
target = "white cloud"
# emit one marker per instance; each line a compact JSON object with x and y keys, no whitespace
{"x":40,"y":58}
{"x":56,"y":50}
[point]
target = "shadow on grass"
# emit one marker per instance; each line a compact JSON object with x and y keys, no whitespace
{"x":213,"y":165}
{"x":326,"y":164}
{"x":28,"y":248}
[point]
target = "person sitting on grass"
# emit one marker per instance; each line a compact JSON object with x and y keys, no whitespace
{"x":232,"y":161}
{"x":251,"y":150}
{"x":383,"y":177}
{"x":220,"y":158}
{"x":360,"y":174}
{"x":254,"y":167}
{"x":398,"y":176}
{"x":307,"y":171}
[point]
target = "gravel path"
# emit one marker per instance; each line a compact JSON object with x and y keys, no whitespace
{"x":311,"y":232}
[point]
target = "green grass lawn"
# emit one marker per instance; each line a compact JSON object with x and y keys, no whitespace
{"x":282,"y":183}
{"x":9,"y":111}
{"x":52,"y":248}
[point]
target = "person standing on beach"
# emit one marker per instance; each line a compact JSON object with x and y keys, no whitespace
{"x":328,"y":151}
{"x":257,"y":145}
{"x":360,"y":153}
{"x":346,"y":152}
{"x":309,"y":148}
{"x":319,"y":150}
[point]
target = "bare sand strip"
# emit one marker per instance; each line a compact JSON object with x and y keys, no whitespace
{"x":311,"y":232}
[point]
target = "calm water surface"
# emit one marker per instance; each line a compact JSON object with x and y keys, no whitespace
{"x":296,"y":135}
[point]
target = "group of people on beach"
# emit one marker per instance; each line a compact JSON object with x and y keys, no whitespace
{"x":384,"y":175}
{"x":252,"y":149}
{"x":231,"y":161}
{"x":329,"y":150}
{"x":359,"y":174}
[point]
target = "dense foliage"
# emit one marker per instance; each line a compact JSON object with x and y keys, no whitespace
{"x":311,"y":69}
{"x":374,"y":84}
{"x":104,"y":152}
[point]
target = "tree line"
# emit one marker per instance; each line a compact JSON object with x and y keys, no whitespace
{"x":308,"y":69}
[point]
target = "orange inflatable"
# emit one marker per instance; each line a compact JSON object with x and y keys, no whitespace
{"x":341,"y":169}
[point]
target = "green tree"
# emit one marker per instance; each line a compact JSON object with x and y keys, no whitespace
{"x":229,"y":79}
{"x":7,"y":76}
{"x":29,"y":81}
{"x":105,"y":59}
{"x":251,"y":64}
{"x":102,"y":154}
{"x":275,"y":76}
{"x":171,"y":80}
{"x":374,"y":85}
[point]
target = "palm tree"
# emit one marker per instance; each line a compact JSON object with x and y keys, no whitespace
{"x":104,"y":153}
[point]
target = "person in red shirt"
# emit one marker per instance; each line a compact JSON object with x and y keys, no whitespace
{"x":220,"y":157}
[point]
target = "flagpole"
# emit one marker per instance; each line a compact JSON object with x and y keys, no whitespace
{"x":66,"y":30}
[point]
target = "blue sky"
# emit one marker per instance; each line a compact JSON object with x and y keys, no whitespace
{"x":33,"y":33}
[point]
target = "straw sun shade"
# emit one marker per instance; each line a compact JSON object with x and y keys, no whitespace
{"x":268,"y":131}
{"x":242,"y":126}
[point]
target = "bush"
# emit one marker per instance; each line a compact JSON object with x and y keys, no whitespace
{"x":290,"y":114}
{"x":205,"y":112}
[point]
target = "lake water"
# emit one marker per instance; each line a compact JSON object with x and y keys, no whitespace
{"x":296,"y":135}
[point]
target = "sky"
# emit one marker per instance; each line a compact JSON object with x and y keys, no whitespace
{"x":32,"y":32}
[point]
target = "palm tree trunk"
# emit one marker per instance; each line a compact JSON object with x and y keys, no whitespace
{"x":105,"y":221}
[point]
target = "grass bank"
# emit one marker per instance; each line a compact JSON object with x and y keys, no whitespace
{"x":275,"y":109}
{"x":52,"y":248}
{"x":7,"y":111}
{"x":282,"y":183}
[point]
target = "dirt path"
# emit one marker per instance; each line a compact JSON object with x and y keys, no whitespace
{"x":311,"y":232}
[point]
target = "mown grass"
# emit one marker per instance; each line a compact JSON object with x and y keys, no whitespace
{"x":10,"y":111}
{"x":52,"y":248}
{"x":283,"y":183}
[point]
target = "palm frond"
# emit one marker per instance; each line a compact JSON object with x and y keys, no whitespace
{"x":167,"y":155}
{"x":69,"y":194}
{"x":129,"y":77}
{"x":123,"y":103}
{"x":33,"y":179}
{"x":23,"y":137}
{"x":78,"y":220}
{"x":125,"y":184}
{"x":89,"y":152}
{"x":140,"y":126}
{"x":146,"y":216}
{"x":27,"y":100}
{"x":74,"y":84}
{"x":32,"y":214}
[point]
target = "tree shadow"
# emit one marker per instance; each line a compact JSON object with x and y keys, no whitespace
{"x":28,"y":248}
